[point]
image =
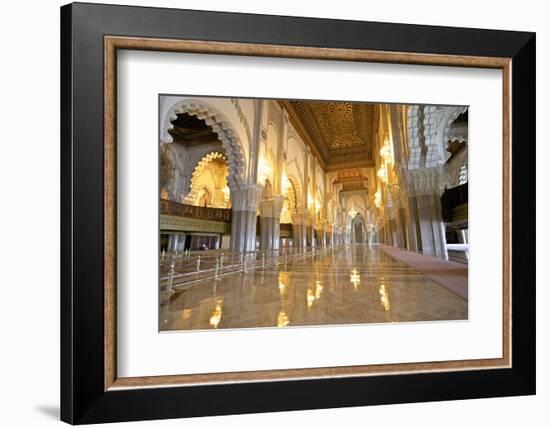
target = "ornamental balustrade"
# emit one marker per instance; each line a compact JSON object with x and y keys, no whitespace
{"x":168,"y":207}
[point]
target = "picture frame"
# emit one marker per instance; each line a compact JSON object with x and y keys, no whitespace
{"x":91,"y":392}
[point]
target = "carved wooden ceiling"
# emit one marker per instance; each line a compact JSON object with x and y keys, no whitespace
{"x":190,"y":130}
{"x":341,"y":133}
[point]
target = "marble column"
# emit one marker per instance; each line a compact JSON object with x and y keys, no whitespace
{"x":432,"y":228}
{"x":245,"y":202}
{"x":270,"y":215}
{"x":425,"y":210}
{"x":298,"y":231}
{"x":175,"y":242}
{"x":412,"y":224}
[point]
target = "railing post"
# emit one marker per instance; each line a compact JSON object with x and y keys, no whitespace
{"x":221,"y":261}
{"x":198,"y":263}
{"x":216,"y":270}
{"x":263,"y":260}
{"x":171,"y":277}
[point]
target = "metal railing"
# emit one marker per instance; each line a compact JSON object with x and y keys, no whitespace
{"x":181,"y":269}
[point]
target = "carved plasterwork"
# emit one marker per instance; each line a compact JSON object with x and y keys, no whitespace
{"x":209,"y":181}
{"x":242,"y":117}
{"x":169,"y":222}
{"x":220,"y":125}
{"x":246,"y":198}
{"x":426,"y":181}
{"x":428,"y":130}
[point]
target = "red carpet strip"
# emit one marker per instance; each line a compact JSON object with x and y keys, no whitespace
{"x":451,"y":275}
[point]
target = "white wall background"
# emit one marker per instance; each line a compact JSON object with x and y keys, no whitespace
{"x":29,"y":172}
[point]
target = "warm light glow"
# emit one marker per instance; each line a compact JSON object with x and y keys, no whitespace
{"x":283,"y":284}
{"x":309,"y":201}
{"x":382,"y":173}
{"x":378,"y":199}
{"x":310,"y":298}
{"x":384,"y":297}
{"x":216,"y":316}
{"x":186,"y":314}
{"x":264,"y":170}
{"x":285,"y":184}
{"x":318,"y":290}
{"x":314,"y":295}
{"x":282,"y":319}
{"x":355,"y":278}
{"x":282,"y":289}
{"x":386,"y":151}
{"x":352,"y":212}
{"x":226,"y":193}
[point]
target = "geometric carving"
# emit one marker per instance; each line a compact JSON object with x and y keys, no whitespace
{"x":428,"y":129}
{"x":220,"y":125}
{"x":341,"y":132}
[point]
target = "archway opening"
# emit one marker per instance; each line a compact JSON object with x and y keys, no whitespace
{"x":209,"y":186}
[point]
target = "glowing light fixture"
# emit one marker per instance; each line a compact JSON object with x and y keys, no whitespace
{"x":264,"y":170}
{"x":309,"y":201}
{"x":352,"y":212}
{"x":285,"y":184}
{"x":385,"y":152}
{"x":378,"y":199}
{"x":382,"y":174}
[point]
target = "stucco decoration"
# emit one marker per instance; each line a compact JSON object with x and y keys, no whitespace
{"x":425,"y":181}
{"x":242,"y":117}
{"x":220,"y":125}
{"x":428,"y":130}
{"x":296,"y":196}
{"x":208,"y":184}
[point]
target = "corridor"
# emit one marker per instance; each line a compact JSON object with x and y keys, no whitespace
{"x":346,"y":285}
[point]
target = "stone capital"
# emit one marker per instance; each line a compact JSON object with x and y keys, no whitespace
{"x":271,"y":207}
{"x":247,"y":197}
{"x":426,"y":181}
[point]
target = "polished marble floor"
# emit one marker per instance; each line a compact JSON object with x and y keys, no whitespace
{"x":353,"y":285}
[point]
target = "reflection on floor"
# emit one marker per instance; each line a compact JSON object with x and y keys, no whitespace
{"x":353,"y":285}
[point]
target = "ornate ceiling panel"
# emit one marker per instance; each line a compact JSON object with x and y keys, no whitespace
{"x":342,"y":132}
{"x":190,"y":130}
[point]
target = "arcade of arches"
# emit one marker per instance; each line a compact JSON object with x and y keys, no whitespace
{"x":284,"y":212}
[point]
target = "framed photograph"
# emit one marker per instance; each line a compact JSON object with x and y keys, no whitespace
{"x":266,"y":213}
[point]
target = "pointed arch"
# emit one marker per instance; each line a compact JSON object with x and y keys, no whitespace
{"x":296,"y":205}
{"x":220,"y":125}
{"x":214,"y":194}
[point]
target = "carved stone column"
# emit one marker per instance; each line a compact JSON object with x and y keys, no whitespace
{"x":412,"y":224}
{"x":425,"y":185}
{"x":298,"y":231}
{"x":270,"y":215}
{"x":245,"y":202}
